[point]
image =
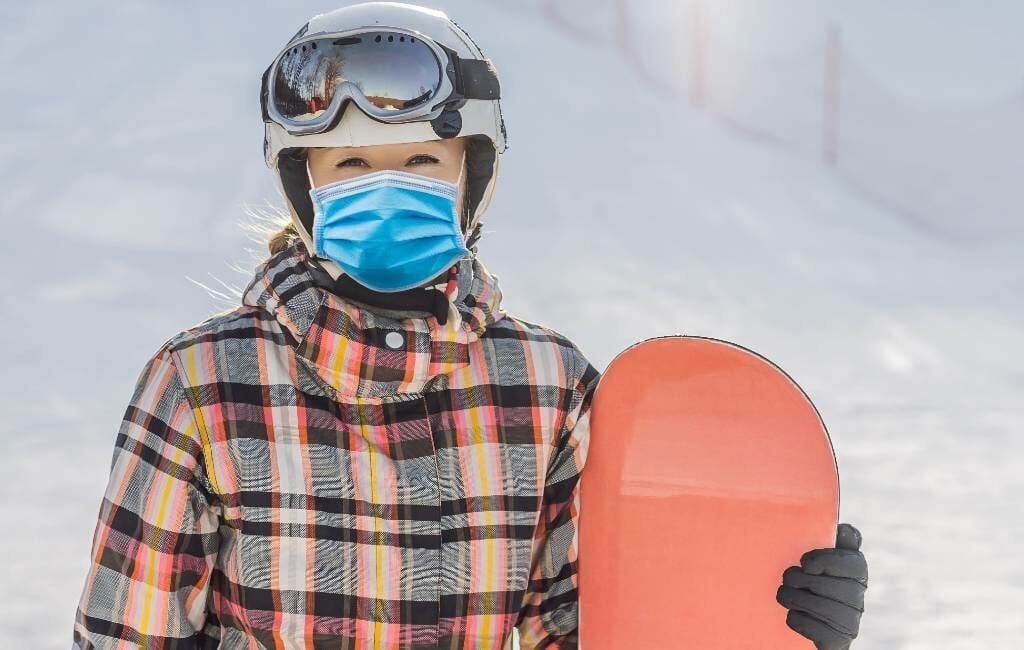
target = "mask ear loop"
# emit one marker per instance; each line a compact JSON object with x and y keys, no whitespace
{"x":462,"y":184}
{"x":451,"y":286}
{"x":309,"y":174}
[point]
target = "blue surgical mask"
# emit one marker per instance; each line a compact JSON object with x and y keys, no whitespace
{"x":389,"y":230}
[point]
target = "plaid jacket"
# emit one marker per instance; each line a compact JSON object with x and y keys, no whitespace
{"x":300,"y":472}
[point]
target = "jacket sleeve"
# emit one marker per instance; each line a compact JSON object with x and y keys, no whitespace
{"x":549,"y":614}
{"x":156,"y":540}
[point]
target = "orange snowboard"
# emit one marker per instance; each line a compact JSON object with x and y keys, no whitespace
{"x":708,"y":473}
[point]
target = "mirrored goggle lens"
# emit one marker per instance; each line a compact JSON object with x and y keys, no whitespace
{"x":395,"y":72}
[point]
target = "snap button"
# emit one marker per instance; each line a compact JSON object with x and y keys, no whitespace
{"x":394,"y":340}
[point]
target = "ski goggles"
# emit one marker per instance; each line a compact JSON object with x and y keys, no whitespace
{"x":393,"y":75}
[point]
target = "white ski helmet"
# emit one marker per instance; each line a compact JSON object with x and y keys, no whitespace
{"x":465,"y":102}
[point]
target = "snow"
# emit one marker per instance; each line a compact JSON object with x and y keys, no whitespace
{"x":889,"y":285}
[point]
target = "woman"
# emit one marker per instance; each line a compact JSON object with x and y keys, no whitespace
{"x":369,"y":452}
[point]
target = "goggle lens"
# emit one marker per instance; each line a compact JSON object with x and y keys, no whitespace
{"x":393,"y":71}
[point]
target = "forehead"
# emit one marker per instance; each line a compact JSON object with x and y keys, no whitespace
{"x":437,"y":147}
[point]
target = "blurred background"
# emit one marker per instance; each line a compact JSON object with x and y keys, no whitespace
{"x":833,"y":184}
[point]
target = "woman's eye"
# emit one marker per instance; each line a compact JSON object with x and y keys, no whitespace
{"x":422,"y":159}
{"x":352,"y":162}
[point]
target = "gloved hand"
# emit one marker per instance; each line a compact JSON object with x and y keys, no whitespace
{"x":825,"y":594}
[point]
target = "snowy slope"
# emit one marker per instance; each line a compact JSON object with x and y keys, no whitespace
{"x":621,"y":214}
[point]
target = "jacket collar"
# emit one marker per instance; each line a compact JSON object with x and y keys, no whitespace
{"x":345,"y":342}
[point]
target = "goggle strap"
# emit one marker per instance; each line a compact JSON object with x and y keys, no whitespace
{"x":477,"y":79}
{"x":265,"y":93}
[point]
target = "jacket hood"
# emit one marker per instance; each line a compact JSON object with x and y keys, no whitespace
{"x":349,"y":345}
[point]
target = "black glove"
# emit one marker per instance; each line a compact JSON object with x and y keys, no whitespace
{"x":825,"y":594}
